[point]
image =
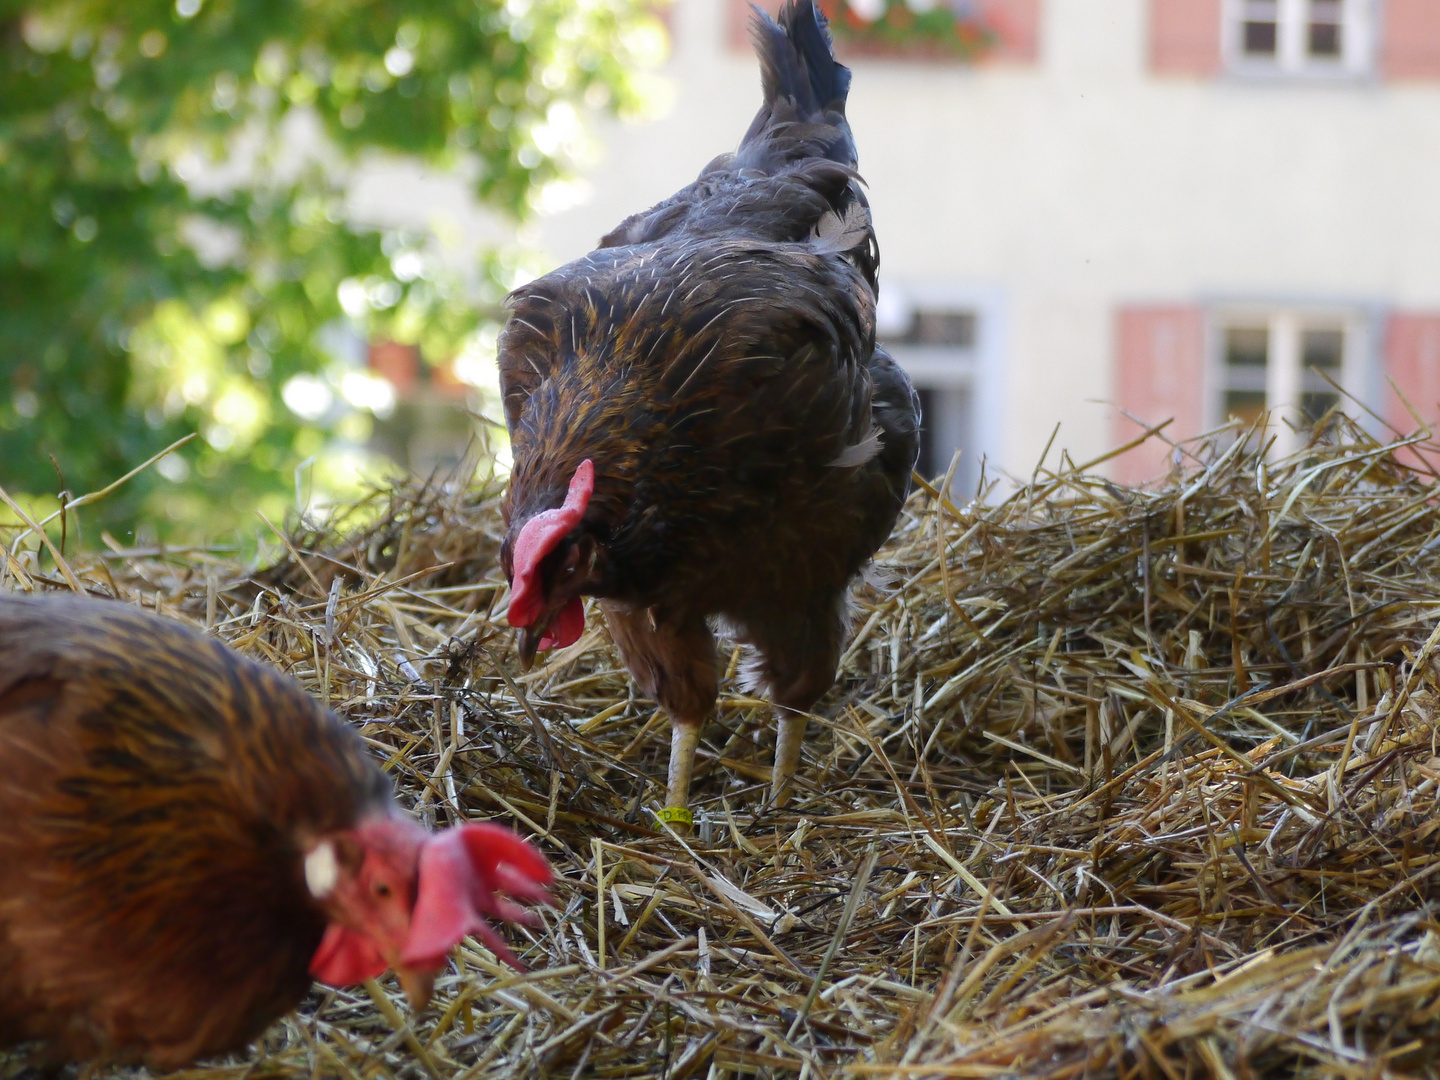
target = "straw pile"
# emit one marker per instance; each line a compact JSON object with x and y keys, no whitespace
{"x":1114,"y":782}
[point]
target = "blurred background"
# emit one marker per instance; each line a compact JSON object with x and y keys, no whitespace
{"x":287,"y":227}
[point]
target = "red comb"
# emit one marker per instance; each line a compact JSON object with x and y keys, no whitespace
{"x":461,"y":872}
{"x":346,"y":957}
{"x":537,"y":539}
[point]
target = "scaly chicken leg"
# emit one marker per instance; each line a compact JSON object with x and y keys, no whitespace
{"x":684,"y":739}
{"x":789,"y":737}
{"x":797,"y":658}
{"x":673,"y":661}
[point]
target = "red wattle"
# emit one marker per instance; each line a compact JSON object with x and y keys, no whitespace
{"x":567,"y":627}
{"x":346,"y":957}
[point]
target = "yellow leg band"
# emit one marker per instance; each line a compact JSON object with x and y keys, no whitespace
{"x":674,"y":815}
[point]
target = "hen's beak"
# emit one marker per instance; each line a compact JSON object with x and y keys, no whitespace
{"x":417,"y":984}
{"x":530,"y":638}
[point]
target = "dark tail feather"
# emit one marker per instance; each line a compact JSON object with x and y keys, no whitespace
{"x":803,"y":115}
{"x":797,"y":61}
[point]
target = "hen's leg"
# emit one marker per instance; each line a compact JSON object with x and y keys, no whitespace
{"x":789,"y":739}
{"x":673,"y":661}
{"x":797,"y":665}
{"x":684,"y":738}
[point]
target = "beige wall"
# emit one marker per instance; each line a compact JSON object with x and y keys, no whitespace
{"x":1067,"y":188}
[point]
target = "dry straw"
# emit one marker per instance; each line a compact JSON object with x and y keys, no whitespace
{"x":1115,"y":782}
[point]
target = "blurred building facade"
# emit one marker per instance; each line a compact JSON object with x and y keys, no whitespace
{"x":1126,"y":211}
{"x":1121,"y":212}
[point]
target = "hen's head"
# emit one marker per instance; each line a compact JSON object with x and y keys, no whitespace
{"x":550,"y":562}
{"x":399,"y":897}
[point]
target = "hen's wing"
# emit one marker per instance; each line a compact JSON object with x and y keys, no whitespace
{"x":154,"y":787}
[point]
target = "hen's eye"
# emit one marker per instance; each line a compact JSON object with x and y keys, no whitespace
{"x":382,"y":890}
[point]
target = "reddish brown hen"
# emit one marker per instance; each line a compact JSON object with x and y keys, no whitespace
{"x":189,"y":839}
{"x":702,"y":425}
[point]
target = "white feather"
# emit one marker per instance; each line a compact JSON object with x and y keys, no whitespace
{"x":322,"y":871}
{"x":880,"y":578}
{"x":863,"y":451}
{"x":752,"y":676}
{"x":841,"y":232}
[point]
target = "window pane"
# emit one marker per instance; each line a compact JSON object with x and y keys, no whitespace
{"x":1316,"y":404}
{"x":955,"y":329}
{"x":1258,"y":28}
{"x":1260,"y":39}
{"x":1247,"y":350}
{"x":1324,"y":29}
{"x":1244,"y":405}
{"x":1324,"y":40}
{"x":1322,"y":349}
{"x":1246,"y":346}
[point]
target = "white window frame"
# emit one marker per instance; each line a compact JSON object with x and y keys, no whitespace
{"x":1358,"y":37}
{"x":1284,"y":324}
{"x":978,"y":369}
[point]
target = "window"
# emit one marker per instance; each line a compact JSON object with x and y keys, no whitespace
{"x":1289,"y":362}
{"x":1309,"y":37}
{"x":935,"y":335}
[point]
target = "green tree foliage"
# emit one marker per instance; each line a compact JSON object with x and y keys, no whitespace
{"x":173,"y":237}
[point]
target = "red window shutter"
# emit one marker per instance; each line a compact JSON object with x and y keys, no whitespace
{"x":1159,"y":375}
{"x":1185,"y":36}
{"x":1016,"y":25}
{"x":1412,"y":367}
{"x":1410,"y":39}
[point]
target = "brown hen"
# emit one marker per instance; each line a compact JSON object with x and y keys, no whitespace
{"x":188,"y":839}
{"x":703,"y":428}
